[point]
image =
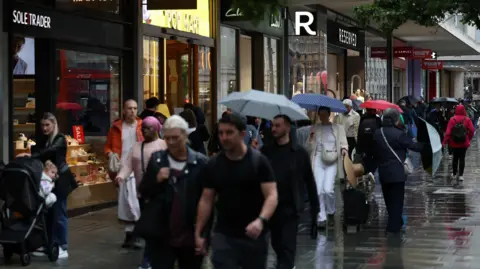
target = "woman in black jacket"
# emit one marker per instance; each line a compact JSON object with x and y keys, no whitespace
{"x":53,"y":146}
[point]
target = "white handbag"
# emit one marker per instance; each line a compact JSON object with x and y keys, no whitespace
{"x":407,"y":164}
{"x":114,"y":163}
{"x":128,"y":205}
{"x":328,"y":156}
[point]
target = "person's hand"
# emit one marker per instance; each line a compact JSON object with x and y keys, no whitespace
{"x":163,"y":174}
{"x":119,"y":180}
{"x":200,"y":246}
{"x":254,"y":229}
{"x":344,"y":152}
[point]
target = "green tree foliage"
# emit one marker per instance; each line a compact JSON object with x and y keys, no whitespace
{"x":255,"y":10}
{"x":388,"y":15}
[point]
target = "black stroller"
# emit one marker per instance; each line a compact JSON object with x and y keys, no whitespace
{"x":23,"y":224}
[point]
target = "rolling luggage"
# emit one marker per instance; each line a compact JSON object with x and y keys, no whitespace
{"x":356,"y":207}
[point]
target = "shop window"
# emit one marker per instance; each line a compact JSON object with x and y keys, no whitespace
{"x":23,"y":99}
{"x":88,"y":101}
{"x":205,"y":83}
{"x":111,"y":6}
{"x":228,"y":64}
{"x":151,"y":60}
{"x":270,"y":68}
{"x":178,"y":90}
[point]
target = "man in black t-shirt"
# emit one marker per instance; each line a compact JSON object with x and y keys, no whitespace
{"x":242,"y":181}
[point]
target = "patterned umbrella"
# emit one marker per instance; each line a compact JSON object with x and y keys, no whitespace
{"x":313,"y":101}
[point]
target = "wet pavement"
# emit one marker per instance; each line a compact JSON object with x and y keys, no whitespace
{"x":442,"y":232}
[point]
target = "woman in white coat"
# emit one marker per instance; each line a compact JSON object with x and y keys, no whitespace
{"x":327,"y":144}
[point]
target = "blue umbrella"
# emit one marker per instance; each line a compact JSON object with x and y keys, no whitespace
{"x":313,"y":101}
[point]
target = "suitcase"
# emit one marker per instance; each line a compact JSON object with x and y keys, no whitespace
{"x":356,"y":207}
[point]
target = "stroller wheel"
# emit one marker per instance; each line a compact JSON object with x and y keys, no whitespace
{"x":53,"y":253}
{"x":25,"y":259}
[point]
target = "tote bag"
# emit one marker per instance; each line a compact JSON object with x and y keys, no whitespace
{"x":128,"y":206}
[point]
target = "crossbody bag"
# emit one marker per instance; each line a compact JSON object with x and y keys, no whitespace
{"x":407,"y":165}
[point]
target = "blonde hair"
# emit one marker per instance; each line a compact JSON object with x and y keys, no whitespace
{"x":50,"y":117}
{"x":49,"y":165}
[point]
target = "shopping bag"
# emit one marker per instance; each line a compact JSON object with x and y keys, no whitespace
{"x":128,"y":206}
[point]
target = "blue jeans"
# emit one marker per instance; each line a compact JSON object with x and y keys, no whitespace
{"x":58,"y":222}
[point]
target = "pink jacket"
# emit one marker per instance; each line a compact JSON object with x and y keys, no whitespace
{"x":133,"y":163}
{"x":460,"y":115}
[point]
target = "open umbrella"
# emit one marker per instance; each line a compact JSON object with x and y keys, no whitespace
{"x":380,"y":105}
{"x":432,"y":151}
{"x":410,"y":99}
{"x":313,"y":101}
{"x":263,"y":105}
{"x":356,"y":104}
{"x":444,"y":100}
{"x":69,"y":106}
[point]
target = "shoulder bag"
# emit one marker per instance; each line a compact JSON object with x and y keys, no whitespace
{"x":328,"y":156}
{"x":407,"y":165}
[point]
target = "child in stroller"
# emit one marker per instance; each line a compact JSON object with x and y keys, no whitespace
{"x":24,"y":210}
{"x":47,"y":183}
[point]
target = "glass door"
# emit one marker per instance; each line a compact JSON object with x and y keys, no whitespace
{"x":178,"y":90}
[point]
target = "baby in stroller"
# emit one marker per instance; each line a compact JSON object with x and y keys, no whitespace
{"x":47,"y":183}
{"x":25,"y":192}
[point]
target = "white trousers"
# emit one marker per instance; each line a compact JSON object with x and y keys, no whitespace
{"x":325,"y":179}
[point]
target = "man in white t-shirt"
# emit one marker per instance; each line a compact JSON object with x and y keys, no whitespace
{"x":121,"y":138}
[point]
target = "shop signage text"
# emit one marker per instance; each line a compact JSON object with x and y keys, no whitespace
{"x":432,"y":65}
{"x":31,"y":19}
{"x":305,"y":23}
{"x":345,"y":37}
{"x":405,"y":52}
{"x":233,"y":12}
{"x":182,"y":21}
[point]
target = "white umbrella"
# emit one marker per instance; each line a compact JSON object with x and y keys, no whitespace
{"x":263,"y":105}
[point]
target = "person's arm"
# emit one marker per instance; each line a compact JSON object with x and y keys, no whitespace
{"x":407,"y":142}
{"x":205,"y":204}
{"x":448,"y":133}
{"x":59,"y":143}
{"x":149,"y":186}
{"x":471,"y":129}
{"x":269,"y":188}
{"x":309,"y":180}
{"x":108,"y":145}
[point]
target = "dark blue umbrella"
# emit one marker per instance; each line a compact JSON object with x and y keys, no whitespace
{"x":313,"y":101}
{"x":356,"y":105}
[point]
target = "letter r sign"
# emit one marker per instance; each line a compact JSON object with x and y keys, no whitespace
{"x":305,"y":23}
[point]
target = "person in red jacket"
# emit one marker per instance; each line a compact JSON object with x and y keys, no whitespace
{"x":460,"y":131}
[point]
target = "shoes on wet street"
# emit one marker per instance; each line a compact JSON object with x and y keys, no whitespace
{"x":460,"y":178}
{"x":40,"y":252}
{"x":62,"y":253}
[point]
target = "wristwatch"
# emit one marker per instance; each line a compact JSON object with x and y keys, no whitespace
{"x":264,"y":220}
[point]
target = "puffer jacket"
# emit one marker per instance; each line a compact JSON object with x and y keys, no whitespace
{"x":460,"y":116}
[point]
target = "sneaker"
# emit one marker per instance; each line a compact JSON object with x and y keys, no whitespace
{"x":62,"y":253}
{"x":128,"y":242}
{"x":460,"y":178}
{"x":453,"y":177}
{"x":40,"y":252}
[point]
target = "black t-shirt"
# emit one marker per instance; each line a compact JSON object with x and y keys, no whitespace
{"x":280,"y":157}
{"x":238,"y":187}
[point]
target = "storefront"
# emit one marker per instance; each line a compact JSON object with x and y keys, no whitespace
{"x":75,"y":60}
{"x":178,"y":57}
{"x":345,"y":62}
{"x":251,"y":54}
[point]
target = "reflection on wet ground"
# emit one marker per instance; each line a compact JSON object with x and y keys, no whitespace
{"x":442,"y":225}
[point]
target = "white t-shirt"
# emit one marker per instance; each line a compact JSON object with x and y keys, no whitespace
{"x":129,"y":138}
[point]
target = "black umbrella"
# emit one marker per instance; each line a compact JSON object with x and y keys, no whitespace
{"x":432,"y":150}
{"x":410,"y":99}
{"x":356,"y":105}
{"x":444,"y":100}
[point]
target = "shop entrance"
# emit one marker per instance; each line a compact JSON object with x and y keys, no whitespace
{"x":179,"y":79}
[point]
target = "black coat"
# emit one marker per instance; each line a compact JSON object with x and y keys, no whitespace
{"x":189,"y":187}
{"x":303,"y":177}
{"x":366,"y":131}
{"x":56,"y":152}
{"x":390,"y":169}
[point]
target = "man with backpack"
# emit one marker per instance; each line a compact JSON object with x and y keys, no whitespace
{"x":459,"y":133}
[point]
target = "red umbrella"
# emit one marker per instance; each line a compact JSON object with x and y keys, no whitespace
{"x":69,"y":106}
{"x":380,"y":105}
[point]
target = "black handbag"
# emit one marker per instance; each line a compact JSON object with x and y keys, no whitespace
{"x":65,"y":184}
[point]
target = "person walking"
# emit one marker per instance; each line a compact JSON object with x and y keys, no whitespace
{"x":52,"y":146}
{"x":459,"y":133}
{"x":293,"y":172}
{"x":172,"y":186}
{"x":150,"y":107}
{"x":391,"y":144}
{"x":366,"y":142}
{"x":122,"y":136}
{"x":241,"y":182}
{"x":137,"y":161}
{"x":327,"y":144}
{"x":350,"y":121}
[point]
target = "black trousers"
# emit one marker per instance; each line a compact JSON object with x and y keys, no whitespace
{"x":352,"y":143}
{"x":283,"y":232}
{"x":163,"y":256}
{"x":235,"y":252}
{"x":393,"y":194}
{"x":458,"y":162}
